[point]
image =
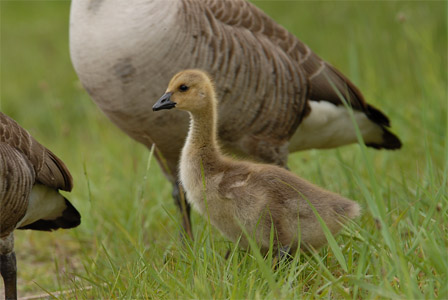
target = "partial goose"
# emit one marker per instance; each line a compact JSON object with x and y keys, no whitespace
{"x":239,"y":193}
{"x":277,"y":96}
{"x":30,"y":177}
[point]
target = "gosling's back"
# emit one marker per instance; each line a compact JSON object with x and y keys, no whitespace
{"x":260,"y":196}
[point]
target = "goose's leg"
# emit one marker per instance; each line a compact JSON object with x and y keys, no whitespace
{"x":8,"y":269}
{"x":226,"y":257}
{"x":184,"y":208}
{"x":284,"y":252}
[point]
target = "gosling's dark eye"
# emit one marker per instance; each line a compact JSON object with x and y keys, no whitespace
{"x":183,"y":88}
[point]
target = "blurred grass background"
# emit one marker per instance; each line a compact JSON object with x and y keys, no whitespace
{"x":128,"y":245}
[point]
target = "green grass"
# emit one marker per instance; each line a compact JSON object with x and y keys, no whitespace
{"x":128,"y":244}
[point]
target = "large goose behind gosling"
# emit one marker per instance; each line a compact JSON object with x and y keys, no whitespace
{"x":234,"y":193}
{"x":30,"y":177}
{"x":274,"y":91}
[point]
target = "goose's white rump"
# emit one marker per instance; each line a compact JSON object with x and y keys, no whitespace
{"x":43,"y":203}
{"x":330,"y":126}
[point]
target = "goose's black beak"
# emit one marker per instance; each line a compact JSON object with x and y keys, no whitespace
{"x":164,"y":103}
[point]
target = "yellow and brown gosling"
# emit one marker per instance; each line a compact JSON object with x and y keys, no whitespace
{"x":30,"y":177}
{"x":235,"y":193}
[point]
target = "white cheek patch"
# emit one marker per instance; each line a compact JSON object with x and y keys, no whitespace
{"x":329,"y":126}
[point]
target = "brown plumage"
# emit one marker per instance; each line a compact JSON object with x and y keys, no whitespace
{"x":234,"y":193}
{"x":30,"y":177}
{"x":277,"y":96}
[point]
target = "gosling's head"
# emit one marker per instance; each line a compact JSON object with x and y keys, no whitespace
{"x":190,"y":90}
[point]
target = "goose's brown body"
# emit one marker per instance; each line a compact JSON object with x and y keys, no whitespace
{"x":235,"y":194}
{"x":30,"y":177}
{"x":276,"y":95}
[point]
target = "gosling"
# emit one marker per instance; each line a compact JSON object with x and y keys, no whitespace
{"x":237,"y":194}
{"x":30,"y":177}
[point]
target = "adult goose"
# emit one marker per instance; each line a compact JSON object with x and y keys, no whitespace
{"x":236,"y":194}
{"x":30,"y":177}
{"x":277,"y":96}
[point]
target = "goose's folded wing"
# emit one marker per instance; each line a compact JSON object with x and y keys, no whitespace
{"x":50,"y":170}
{"x":16,"y":180}
{"x":326,"y":83}
{"x":249,"y":51}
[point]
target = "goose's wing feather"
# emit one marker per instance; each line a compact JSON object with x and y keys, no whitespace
{"x":325,"y":83}
{"x":238,"y":42}
{"x":17,"y":177}
{"x":242,"y":15}
{"x":49,"y":169}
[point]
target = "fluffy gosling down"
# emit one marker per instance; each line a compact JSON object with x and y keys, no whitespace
{"x":236,"y":194}
{"x":30,"y":177}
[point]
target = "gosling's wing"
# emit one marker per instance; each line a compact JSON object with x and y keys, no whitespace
{"x":252,"y":186}
{"x":282,"y":189}
{"x":49,"y":169}
{"x":16,"y":180}
{"x":234,"y":185}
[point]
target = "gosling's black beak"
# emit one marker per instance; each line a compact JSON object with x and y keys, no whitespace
{"x":164,"y":103}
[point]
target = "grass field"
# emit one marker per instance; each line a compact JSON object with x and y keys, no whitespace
{"x":128,"y":243}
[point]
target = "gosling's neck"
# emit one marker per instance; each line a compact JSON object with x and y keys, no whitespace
{"x":202,"y":136}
